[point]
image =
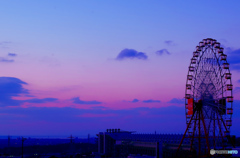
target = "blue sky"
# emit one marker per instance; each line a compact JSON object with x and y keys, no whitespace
{"x":86,"y":54}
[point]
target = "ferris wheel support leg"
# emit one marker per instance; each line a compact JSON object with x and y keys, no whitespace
{"x":219,"y":124}
{"x":206,"y":133}
{"x":185,"y":133}
{"x":193,"y":135}
{"x":214,"y":135}
{"x":209,"y":125}
{"x":199,"y":136}
{"x":212,"y":121}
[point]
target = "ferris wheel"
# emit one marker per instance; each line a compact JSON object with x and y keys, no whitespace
{"x":208,"y":98}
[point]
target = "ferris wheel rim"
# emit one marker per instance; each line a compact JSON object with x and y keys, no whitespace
{"x":196,"y":54}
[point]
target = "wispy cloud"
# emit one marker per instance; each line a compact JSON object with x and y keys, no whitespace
{"x":12,"y":87}
{"x":77,"y":100}
{"x":236,"y":90}
{"x":177,"y":101}
{"x":6,"y":60}
{"x":151,"y":101}
{"x":171,"y":117}
{"x":12,"y":54}
{"x":131,"y":54}
{"x":44,"y":100}
{"x":134,"y":101}
{"x":72,"y":118}
{"x":4,"y":44}
{"x":162,"y":51}
{"x":169,"y":42}
{"x":233,"y":58}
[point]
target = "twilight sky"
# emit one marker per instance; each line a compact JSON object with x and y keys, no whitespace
{"x":78,"y":67}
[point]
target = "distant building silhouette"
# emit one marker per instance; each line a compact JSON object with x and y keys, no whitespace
{"x":118,"y":143}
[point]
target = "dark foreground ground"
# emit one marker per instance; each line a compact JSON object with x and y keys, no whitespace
{"x":58,"y":150}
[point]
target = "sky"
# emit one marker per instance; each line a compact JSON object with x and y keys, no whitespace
{"x":79,"y":67}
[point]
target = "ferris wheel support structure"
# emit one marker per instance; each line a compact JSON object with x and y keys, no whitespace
{"x":208,"y":99}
